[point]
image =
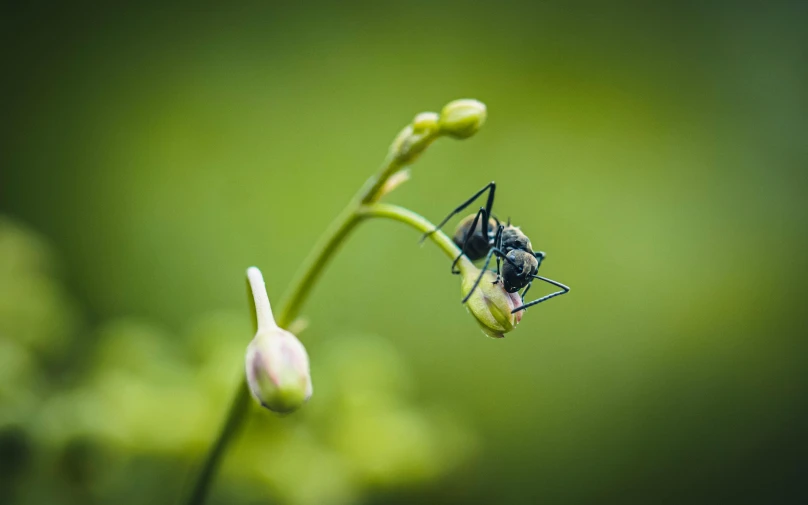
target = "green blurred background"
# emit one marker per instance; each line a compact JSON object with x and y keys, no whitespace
{"x":657,"y":153}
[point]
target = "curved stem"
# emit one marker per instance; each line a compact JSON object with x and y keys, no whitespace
{"x":330,"y":242}
{"x":416,"y":221}
{"x":292,"y":303}
{"x":410,"y":142}
{"x":235,"y":418}
{"x":239,"y":407}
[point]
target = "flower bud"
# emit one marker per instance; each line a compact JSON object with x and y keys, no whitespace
{"x":277,"y":364}
{"x":490,"y":304}
{"x":425,"y":121}
{"x":278,"y":371}
{"x":416,"y":137}
{"x":462,"y":118}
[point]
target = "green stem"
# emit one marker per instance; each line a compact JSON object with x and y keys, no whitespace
{"x":330,"y":242}
{"x":239,"y":408}
{"x":406,"y":147}
{"x":298,"y":292}
{"x":416,"y":221}
{"x":235,"y":418}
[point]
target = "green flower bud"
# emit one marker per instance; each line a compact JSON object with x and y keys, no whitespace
{"x":490,"y":304}
{"x":462,"y":118}
{"x":277,"y":365}
{"x":416,"y":137}
{"x":278,"y":371}
{"x":425,"y":121}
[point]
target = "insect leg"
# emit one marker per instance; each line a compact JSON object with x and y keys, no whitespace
{"x":564,"y":289}
{"x":488,"y":206}
{"x":467,"y":238}
{"x":498,"y":245}
{"x":525,"y":291}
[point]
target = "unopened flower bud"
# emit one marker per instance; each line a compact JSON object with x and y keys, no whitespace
{"x":425,"y":121}
{"x":277,"y":365}
{"x":278,"y":371}
{"x":490,"y":304}
{"x":416,"y":137}
{"x":462,"y":118}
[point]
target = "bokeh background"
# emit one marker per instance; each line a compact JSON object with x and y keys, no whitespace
{"x":153,"y":151}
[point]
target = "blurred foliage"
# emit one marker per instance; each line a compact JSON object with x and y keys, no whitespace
{"x":656,"y":152}
{"x":146,"y":396}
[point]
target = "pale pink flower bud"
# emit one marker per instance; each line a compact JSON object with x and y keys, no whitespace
{"x":277,"y":369}
{"x":490,"y":304}
{"x":277,"y":365}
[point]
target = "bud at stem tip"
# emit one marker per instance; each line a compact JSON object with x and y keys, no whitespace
{"x":462,"y":118}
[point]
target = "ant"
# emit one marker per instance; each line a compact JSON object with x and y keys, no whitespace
{"x":517,"y":263}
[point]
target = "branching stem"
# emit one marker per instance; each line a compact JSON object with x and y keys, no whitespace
{"x":407,"y":146}
{"x":299,"y":290}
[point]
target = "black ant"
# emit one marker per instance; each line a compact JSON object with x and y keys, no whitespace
{"x":506,"y":243}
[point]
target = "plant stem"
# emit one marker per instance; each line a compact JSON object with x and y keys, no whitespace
{"x":416,"y":221}
{"x":298,"y":292}
{"x":239,"y":407}
{"x":330,"y":242}
{"x":361,"y":207}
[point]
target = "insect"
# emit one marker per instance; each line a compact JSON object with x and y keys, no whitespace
{"x":481,"y":235}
